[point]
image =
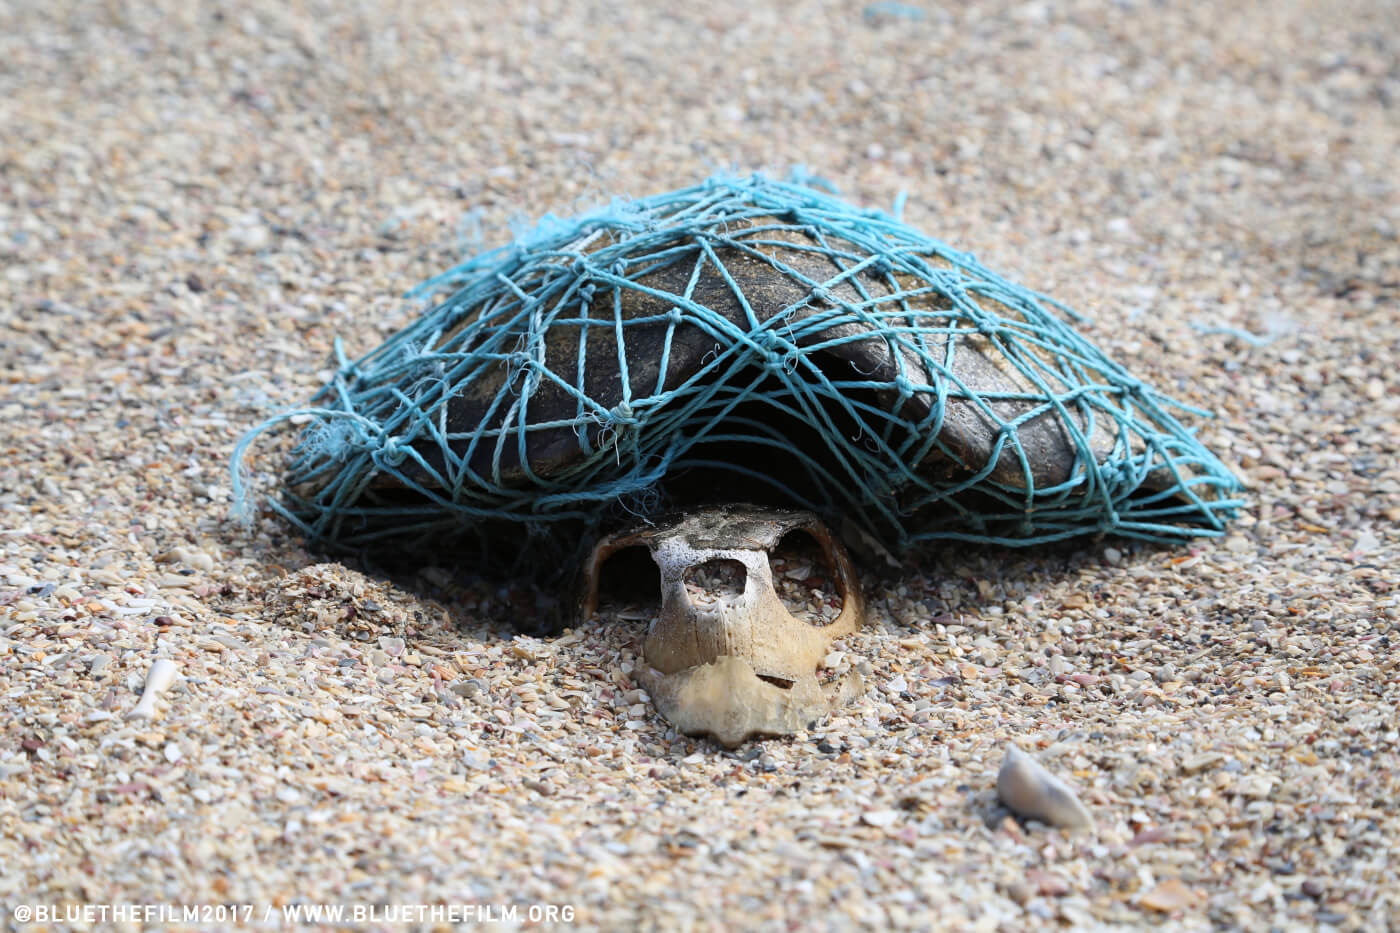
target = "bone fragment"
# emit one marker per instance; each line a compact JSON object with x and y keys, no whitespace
{"x":158,"y":680}
{"x":727,"y":701}
{"x":1031,"y":791}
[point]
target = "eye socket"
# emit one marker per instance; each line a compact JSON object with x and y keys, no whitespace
{"x":629,"y":584}
{"x":804,"y":577}
{"x":716,"y":580}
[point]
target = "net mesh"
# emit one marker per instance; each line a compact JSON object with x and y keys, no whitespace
{"x":746,"y":339}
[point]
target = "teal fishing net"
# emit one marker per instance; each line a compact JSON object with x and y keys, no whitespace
{"x":746,"y":339}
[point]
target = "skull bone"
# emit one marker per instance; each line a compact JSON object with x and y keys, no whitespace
{"x":737,"y":666}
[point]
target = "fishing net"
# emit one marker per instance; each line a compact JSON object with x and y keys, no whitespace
{"x":746,"y":339}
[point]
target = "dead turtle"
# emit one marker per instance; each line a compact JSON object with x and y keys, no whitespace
{"x":745,"y":340}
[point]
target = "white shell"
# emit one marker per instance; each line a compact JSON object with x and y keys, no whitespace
{"x":158,"y":680}
{"x":1029,"y":790}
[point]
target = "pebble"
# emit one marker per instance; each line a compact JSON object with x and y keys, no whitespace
{"x":1030,"y":791}
{"x":880,"y":818}
{"x":1047,"y":883}
{"x":1256,"y":786}
{"x":1170,"y":896}
{"x":1203,"y":762}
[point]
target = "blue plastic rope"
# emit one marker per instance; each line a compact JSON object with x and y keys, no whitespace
{"x":379,"y":462}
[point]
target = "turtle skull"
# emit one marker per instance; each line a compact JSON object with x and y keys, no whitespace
{"x":735,"y":664}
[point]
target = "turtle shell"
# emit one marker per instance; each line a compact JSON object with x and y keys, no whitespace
{"x":745,"y":340}
{"x":796,"y":302}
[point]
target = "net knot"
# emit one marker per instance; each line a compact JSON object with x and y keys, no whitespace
{"x":779,"y":353}
{"x":391,"y":452}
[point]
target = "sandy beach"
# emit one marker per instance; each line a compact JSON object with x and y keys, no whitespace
{"x":197,"y":201}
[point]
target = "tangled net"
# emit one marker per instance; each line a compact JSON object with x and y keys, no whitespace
{"x":744,"y":339}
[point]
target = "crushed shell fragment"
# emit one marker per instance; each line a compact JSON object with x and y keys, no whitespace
{"x":158,"y":680}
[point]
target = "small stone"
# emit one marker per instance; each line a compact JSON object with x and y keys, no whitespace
{"x":1012,"y":829}
{"x":1030,"y":791}
{"x":1203,"y":762}
{"x":1170,"y":897}
{"x":1256,"y":786}
{"x":392,"y":645}
{"x":250,"y":235}
{"x":1047,"y":884}
{"x":879,"y":818}
{"x":98,"y":664}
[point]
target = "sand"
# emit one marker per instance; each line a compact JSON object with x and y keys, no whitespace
{"x":195,"y":203}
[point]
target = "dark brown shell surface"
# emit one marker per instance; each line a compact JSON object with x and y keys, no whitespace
{"x":750,"y":281}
